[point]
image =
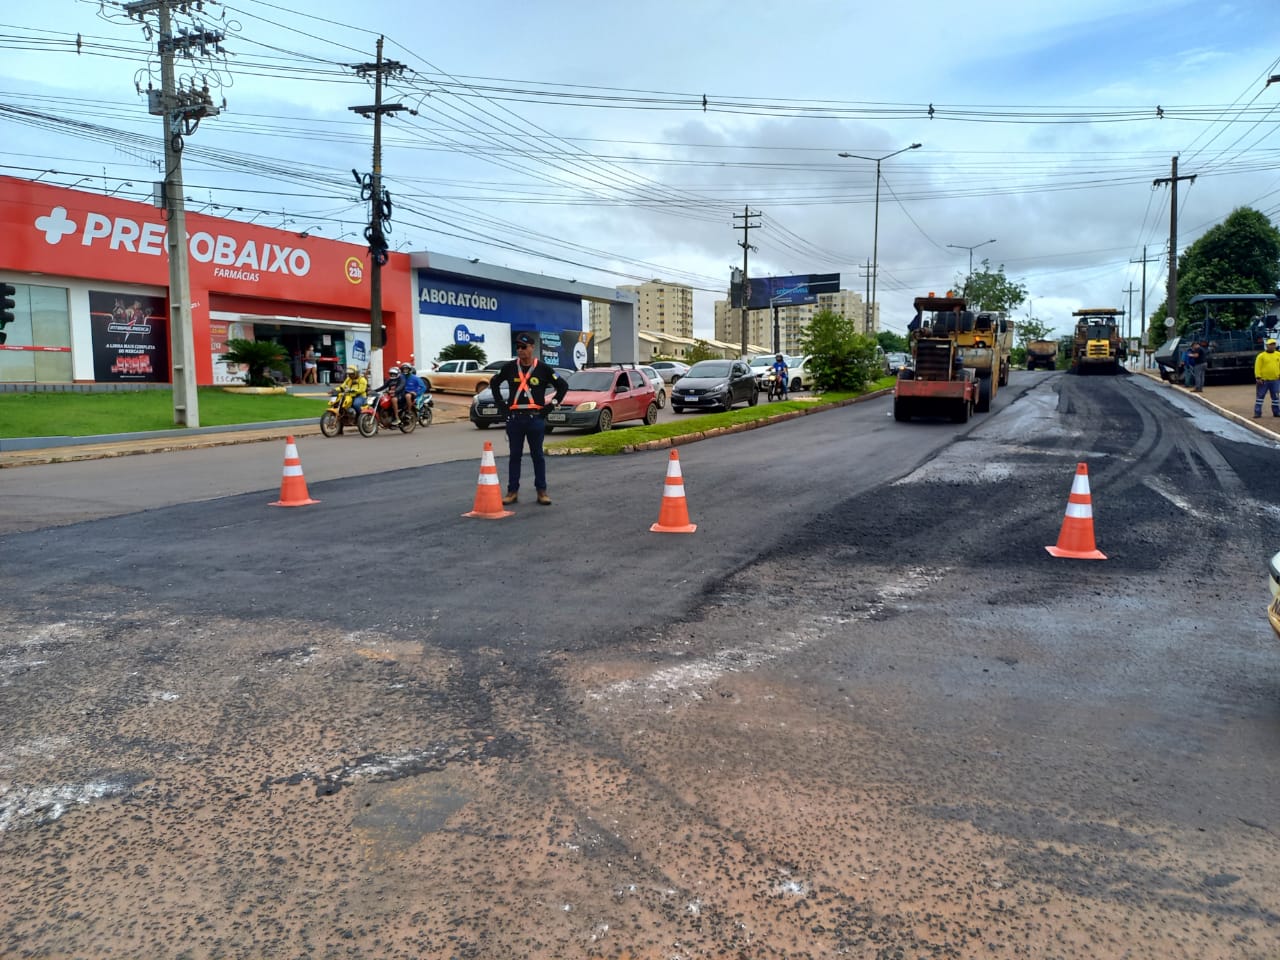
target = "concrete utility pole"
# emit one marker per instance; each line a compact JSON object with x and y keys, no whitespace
{"x":379,"y":200}
{"x":1142,"y":332}
{"x":182,"y":109}
{"x":746,"y":246}
{"x":1173,"y":236}
{"x":866,"y":306}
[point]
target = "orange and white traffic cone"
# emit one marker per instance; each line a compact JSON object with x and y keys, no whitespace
{"x":293,"y":488}
{"x":674,"y":515}
{"x":488,"y":505}
{"x":1076,"y":538}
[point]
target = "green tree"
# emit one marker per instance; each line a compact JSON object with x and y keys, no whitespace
{"x":988,"y":290}
{"x":892,"y":342}
{"x":843,"y":359}
{"x":259,"y":356}
{"x":701,"y":351}
{"x":463,"y":351}
{"x":1030,"y":329}
{"x":1239,"y":255}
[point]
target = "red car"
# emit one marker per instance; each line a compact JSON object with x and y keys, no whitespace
{"x":599,"y":397}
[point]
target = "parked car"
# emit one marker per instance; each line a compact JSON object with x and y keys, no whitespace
{"x":484,"y":412}
{"x":715,"y":384}
{"x":659,"y":385}
{"x":670,"y":370}
{"x":599,"y":397}
{"x":457,"y":376}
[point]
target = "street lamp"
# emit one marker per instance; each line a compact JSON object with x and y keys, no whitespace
{"x":875,"y":235}
{"x":961,"y":246}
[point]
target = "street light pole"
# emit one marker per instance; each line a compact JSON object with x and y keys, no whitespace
{"x":961,"y":246}
{"x":875,"y":233}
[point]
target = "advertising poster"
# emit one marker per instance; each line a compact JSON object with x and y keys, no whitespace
{"x":130,"y":337}
{"x":220,"y":331}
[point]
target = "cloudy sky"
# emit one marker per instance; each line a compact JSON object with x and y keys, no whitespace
{"x":571,"y":138}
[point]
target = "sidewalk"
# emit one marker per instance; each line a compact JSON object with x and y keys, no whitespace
{"x":447,"y":409}
{"x":1234,"y":401}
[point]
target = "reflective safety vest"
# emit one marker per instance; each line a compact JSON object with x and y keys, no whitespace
{"x":522,"y":389}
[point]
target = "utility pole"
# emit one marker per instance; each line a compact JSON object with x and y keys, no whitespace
{"x":182,"y":107}
{"x":746,"y":246}
{"x":1142,"y":333}
{"x":866,"y":305}
{"x":1173,"y":236}
{"x":1128,"y":316}
{"x":379,"y":200}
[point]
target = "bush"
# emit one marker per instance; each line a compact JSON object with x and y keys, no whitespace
{"x":259,"y":356}
{"x":463,"y":351}
{"x":842,"y":359}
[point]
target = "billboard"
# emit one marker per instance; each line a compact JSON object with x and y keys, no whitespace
{"x":784,"y":291}
{"x":130,"y":337}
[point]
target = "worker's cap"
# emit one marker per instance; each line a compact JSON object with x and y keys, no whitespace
{"x":524,"y":339}
{"x":1271,"y":342}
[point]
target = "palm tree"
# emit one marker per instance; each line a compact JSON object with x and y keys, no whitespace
{"x":258,"y":356}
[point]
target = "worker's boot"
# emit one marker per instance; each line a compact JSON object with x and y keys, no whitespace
{"x":543,"y":498}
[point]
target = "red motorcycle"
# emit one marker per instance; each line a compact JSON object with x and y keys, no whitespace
{"x":378,"y":414}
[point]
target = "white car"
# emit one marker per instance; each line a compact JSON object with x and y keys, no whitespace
{"x":659,"y":385}
{"x":670,"y":370}
{"x":799,"y":374}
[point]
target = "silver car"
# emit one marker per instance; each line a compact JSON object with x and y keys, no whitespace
{"x":658,"y":383}
{"x":670,"y":370}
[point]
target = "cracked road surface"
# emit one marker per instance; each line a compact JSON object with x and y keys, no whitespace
{"x":861,"y":712}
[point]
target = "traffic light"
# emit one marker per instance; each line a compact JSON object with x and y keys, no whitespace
{"x":7,"y":292}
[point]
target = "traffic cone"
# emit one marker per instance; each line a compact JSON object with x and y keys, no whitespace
{"x":488,"y":505}
{"x":1076,"y":538}
{"x":293,"y":488}
{"x":674,"y":515}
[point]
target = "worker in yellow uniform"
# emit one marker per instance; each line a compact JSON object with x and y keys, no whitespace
{"x":525,"y":404}
{"x":1266,"y":374}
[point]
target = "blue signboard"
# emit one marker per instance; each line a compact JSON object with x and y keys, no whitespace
{"x":462,"y":335}
{"x":784,"y":291}
{"x":522,"y":310}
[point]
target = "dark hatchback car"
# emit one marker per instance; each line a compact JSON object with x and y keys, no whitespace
{"x":484,"y":412}
{"x":715,"y":385}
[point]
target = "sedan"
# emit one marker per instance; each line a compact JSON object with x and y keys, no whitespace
{"x":897,"y":361}
{"x":600,"y":397}
{"x":715,"y":385}
{"x":670,"y":370}
{"x":484,"y":412}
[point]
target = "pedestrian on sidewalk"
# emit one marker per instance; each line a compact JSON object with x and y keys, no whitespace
{"x":1198,"y":363}
{"x":1266,"y":374}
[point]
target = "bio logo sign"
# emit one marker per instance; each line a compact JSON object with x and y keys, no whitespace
{"x":355,"y":270}
{"x":462,"y":335}
{"x":247,"y":261}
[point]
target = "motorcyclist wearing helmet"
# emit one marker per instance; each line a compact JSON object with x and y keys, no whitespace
{"x":780,"y":371}
{"x":395,"y":390}
{"x":413,"y":385}
{"x":353,"y":391}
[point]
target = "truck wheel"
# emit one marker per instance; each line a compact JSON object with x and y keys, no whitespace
{"x":984,"y":395}
{"x":901,"y":412}
{"x":961,"y":415}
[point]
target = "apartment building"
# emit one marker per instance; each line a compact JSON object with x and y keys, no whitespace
{"x":793,"y":320}
{"x":663,"y":308}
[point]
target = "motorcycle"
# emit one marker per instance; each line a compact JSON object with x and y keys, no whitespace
{"x":337,"y":415}
{"x":777,"y":387}
{"x":378,"y":415}
{"x":424,"y":407}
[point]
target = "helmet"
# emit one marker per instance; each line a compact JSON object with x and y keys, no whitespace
{"x":393,"y":373}
{"x":778,"y":358}
{"x":406,"y":369}
{"x":352,"y":370}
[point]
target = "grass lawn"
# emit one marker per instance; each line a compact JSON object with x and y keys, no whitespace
{"x":89,"y":414}
{"x":625,"y":436}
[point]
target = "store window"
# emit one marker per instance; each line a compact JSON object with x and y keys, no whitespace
{"x":38,"y":346}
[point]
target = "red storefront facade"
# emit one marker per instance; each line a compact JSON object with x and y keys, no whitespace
{"x":92,"y":274}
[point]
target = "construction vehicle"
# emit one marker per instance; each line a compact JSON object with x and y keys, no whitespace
{"x":1236,"y":327}
{"x":1098,"y":346}
{"x":941,"y":382}
{"x":1042,"y":353}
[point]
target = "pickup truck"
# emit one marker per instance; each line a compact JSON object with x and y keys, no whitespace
{"x":458,"y":376}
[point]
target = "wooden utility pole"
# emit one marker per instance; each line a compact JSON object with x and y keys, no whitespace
{"x":371,"y":189}
{"x":746,"y":246}
{"x":1172,"y":180}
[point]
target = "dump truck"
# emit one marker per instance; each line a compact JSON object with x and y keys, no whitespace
{"x":1097,"y":346}
{"x":941,"y":382}
{"x":1042,"y":353}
